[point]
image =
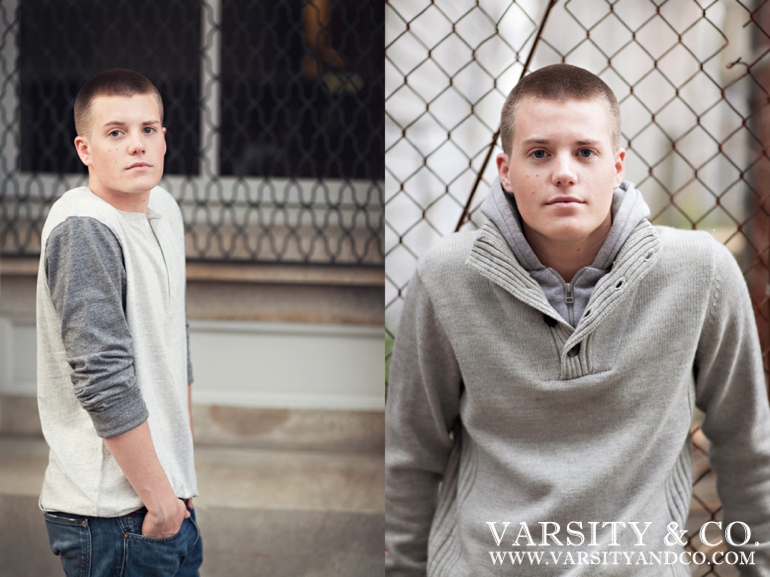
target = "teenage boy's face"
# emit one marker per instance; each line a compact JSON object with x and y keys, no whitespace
{"x":124,"y":147}
{"x":563,"y":169}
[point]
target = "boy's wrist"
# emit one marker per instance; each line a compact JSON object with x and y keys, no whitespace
{"x":162,"y":502}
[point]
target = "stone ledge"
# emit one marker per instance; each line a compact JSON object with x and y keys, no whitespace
{"x":19,"y":266}
{"x":280,"y":293}
{"x":290,"y":429}
{"x":269,"y":273}
{"x":286,"y":274}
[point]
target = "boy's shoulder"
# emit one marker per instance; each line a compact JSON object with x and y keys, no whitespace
{"x":448,"y":254}
{"x":696,"y":256}
{"x":81,"y":202}
{"x":683,"y":251}
{"x":77,"y":202}
{"x":678,"y":236}
{"x":689,"y":245}
{"x":163,"y":201}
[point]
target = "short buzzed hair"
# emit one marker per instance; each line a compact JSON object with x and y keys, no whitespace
{"x":112,"y":82}
{"x":559,"y":82}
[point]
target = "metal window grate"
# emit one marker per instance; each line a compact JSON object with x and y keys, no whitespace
{"x":273,"y":110}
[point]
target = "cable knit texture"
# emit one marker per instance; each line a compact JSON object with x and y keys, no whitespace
{"x":499,"y":410}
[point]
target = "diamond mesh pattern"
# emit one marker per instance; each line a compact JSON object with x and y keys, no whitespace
{"x":273,"y":110}
{"x":692,"y":84}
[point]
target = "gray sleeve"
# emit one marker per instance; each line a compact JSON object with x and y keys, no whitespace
{"x":421,"y":409}
{"x":730,"y":389}
{"x":87,"y":279}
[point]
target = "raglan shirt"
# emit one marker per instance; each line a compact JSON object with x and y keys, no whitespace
{"x":113,"y":348}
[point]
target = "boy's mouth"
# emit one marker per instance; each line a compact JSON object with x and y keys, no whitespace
{"x":565,"y":200}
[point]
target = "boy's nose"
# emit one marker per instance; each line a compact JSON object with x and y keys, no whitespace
{"x":135,"y":144}
{"x":564,"y":173}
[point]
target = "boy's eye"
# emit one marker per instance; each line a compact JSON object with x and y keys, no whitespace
{"x":149,"y":130}
{"x":585,"y":152}
{"x":115,"y":133}
{"x":539,"y":154}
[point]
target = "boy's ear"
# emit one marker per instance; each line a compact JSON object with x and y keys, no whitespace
{"x":84,"y":151}
{"x":620,"y":166}
{"x":503,"y":168}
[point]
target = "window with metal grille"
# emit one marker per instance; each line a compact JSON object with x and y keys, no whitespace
{"x":273,"y":113}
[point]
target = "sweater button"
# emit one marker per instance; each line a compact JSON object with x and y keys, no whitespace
{"x":574,"y":351}
{"x":551,"y":322}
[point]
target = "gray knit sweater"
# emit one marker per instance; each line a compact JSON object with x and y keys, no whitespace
{"x":499,"y":411}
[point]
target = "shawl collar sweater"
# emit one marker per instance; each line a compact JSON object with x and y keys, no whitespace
{"x":499,"y":411}
{"x":568,"y":297}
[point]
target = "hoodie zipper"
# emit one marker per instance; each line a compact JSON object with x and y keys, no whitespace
{"x":569,"y":296}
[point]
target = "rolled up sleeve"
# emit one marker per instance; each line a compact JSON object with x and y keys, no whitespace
{"x":87,"y":280}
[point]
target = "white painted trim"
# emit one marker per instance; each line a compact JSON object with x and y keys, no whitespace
{"x":315,"y":329}
{"x":19,"y":388}
{"x":288,"y":365}
{"x":210,"y":86}
{"x":260,"y":381}
{"x":10,"y":384}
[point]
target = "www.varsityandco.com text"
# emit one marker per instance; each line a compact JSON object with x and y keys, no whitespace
{"x":602,"y":543}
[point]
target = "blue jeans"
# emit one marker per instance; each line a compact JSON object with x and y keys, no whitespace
{"x":102,"y":546}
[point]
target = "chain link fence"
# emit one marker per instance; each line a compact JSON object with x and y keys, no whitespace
{"x":273,"y":111}
{"x":692,"y":81}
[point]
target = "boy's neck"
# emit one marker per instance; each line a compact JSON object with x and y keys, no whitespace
{"x":124,"y":201}
{"x":567,"y":256}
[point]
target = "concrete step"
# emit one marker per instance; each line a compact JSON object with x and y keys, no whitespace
{"x":261,"y":512}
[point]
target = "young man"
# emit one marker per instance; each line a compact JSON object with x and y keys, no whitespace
{"x":546,"y":369}
{"x":113,"y":365}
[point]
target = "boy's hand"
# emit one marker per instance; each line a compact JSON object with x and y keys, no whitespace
{"x":136,"y":457}
{"x":166,"y":521}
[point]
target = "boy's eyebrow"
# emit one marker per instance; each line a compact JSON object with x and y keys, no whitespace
{"x":122,"y":123}
{"x":581,"y":142}
{"x":588,"y":142}
{"x":535,"y":140}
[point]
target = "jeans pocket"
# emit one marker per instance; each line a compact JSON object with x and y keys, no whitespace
{"x":132,"y":523}
{"x":70,"y":539}
{"x":147,"y":556}
{"x":194,"y":522}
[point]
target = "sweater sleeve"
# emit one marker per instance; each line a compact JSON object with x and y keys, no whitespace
{"x":87,"y":281}
{"x":730,"y":389}
{"x":421,"y":408}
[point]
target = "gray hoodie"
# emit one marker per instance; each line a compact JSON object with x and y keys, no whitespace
{"x":568,"y":298}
